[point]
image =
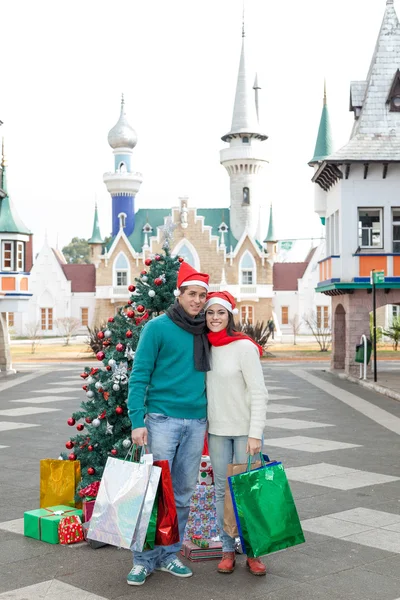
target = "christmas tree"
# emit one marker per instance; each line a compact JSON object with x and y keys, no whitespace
{"x":104,"y":428}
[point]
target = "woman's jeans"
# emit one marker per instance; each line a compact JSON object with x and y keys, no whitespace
{"x":180,"y":441}
{"x":225,"y":450}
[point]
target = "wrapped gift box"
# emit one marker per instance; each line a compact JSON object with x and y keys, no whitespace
{"x":206,"y":474}
{"x":70,"y":530}
{"x":195,"y":554}
{"x":88,"y":506}
{"x":202,"y":519}
{"x":42,"y":524}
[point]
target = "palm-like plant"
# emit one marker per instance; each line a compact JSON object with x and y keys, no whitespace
{"x":393,"y":332}
{"x":258,"y":332}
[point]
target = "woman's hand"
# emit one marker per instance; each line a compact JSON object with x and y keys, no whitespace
{"x":253,"y":446}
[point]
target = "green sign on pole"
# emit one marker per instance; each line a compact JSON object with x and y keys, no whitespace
{"x":286,"y":245}
{"x":377,"y":277}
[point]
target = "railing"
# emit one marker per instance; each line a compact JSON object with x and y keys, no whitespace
{"x":121,"y":290}
{"x":248,"y":289}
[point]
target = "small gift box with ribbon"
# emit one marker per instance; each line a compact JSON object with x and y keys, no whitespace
{"x":42,"y":524}
{"x":89,"y":495}
{"x":70,"y":530}
{"x":199,"y":541}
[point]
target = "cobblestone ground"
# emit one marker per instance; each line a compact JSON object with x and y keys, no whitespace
{"x":340,"y":447}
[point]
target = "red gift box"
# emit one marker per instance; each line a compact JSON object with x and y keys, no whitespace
{"x":70,"y":530}
{"x":88,"y":506}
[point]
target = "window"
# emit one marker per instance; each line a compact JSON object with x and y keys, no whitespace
{"x":247,"y":269}
{"x":370,"y":227}
{"x":10,"y":319}
{"x":121,"y":267}
{"x":396,"y":229}
{"x":246,"y":314}
{"x":122,"y":220}
{"x":322,"y":317}
{"x":8,"y":256}
{"x":85,"y":317}
{"x":395,"y":311}
{"x":246,"y":195}
{"x":285,"y":315}
{"x":122,"y":278}
{"x":245,"y":139}
{"x":20,"y":256}
{"x":46,"y":319}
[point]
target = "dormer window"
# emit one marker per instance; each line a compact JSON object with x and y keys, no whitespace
{"x":393,"y":98}
{"x":223,"y":228}
{"x":245,"y":140}
{"x":147,"y":228}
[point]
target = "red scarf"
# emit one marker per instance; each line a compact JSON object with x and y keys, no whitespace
{"x":221,"y":338}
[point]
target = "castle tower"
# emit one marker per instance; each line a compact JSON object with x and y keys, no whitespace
{"x":245,"y":159}
{"x":323,"y":148}
{"x":123,"y":184}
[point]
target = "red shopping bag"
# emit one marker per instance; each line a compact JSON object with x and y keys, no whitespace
{"x":167,"y":531}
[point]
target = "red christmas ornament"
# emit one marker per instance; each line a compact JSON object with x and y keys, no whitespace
{"x":88,"y":419}
{"x":106,"y":396}
{"x":110,"y":319}
{"x":85,"y":387}
{"x":103,"y":414}
{"x":100,"y":355}
{"x":90,"y":448}
{"x":140,"y":308}
{"x":69,"y":445}
{"x":181,"y":259}
{"x":129,"y":333}
{"x":148,"y":262}
{"x":100,"y":335}
{"x":119,"y":410}
{"x":157,"y":257}
{"x":120,"y":347}
{"x":84,"y":375}
{"x":91,"y":471}
{"x":72,"y":456}
{"x":71,"y":421}
{"x":130,"y":314}
{"x":114,"y":452}
{"x":144,"y":272}
{"x":130,"y":302}
{"x":106,"y":343}
{"x":158,"y":281}
{"x":100,"y":390}
{"x":131,"y":288}
{"x":137,"y":321}
{"x":108,"y":368}
{"x":80,"y":427}
{"x":94,"y":370}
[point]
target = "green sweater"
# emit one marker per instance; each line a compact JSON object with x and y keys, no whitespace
{"x":163,"y":378}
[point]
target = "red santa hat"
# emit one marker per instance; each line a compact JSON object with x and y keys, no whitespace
{"x":189,"y":276}
{"x":225,"y":299}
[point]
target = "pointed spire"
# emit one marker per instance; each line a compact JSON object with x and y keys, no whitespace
{"x":324,"y":145}
{"x":3,"y":182}
{"x":96,"y":236}
{"x":271,"y":237}
{"x":10,"y":221}
{"x":244,"y":119}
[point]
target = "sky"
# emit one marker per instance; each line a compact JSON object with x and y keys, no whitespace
{"x":65,"y":65}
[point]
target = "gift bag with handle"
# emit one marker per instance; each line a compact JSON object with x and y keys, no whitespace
{"x":58,"y":482}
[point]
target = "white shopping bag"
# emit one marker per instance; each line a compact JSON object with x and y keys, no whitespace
{"x":120,"y":500}
{"x":144,"y":519}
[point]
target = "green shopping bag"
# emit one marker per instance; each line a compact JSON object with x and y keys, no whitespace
{"x":150,"y":540}
{"x":265,"y":510}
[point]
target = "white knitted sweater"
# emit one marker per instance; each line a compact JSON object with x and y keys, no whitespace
{"x":236,"y":393}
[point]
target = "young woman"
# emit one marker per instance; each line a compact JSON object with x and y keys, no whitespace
{"x":237,"y":403}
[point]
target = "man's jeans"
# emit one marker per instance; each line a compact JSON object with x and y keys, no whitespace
{"x":225,"y":450}
{"x":180,"y":441}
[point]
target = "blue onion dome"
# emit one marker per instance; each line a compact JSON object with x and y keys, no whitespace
{"x":122,"y":135}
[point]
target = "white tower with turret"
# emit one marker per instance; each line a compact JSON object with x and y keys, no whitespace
{"x":245,"y":158}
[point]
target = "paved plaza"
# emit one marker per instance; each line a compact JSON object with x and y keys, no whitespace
{"x":339,"y":443}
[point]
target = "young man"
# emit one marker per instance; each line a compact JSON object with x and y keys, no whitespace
{"x":168,"y":407}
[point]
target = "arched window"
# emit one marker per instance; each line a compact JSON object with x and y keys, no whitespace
{"x":121,"y":270}
{"x":247,"y":269}
{"x":188,"y":252}
{"x":122,"y":167}
{"x":122,"y":220}
{"x":245,"y":139}
{"x":246,"y":195}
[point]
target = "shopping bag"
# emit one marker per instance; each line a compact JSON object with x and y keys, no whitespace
{"x":142,"y":526}
{"x":230,"y":525}
{"x":150,"y":540}
{"x":167,"y":532}
{"x":58,"y":482}
{"x":265,"y":510}
{"x":119,"y":501}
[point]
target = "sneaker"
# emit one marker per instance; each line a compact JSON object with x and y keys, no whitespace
{"x":177,"y":568}
{"x":227,"y":564}
{"x":256,"y":566}
{"x":137,"y":575}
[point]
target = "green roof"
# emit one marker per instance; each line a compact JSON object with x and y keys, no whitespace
{"x":155,"y":218}
{"x":9,"y":220}
{"x":96,"y":236}
{"x":271,"y":237}
{"x":324,"y":145}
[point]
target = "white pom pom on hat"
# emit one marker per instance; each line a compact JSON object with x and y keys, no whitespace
{"x":177,"y":293}
{"x":235,"y":311}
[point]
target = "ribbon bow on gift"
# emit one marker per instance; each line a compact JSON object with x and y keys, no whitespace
{"x":90,"y":490}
